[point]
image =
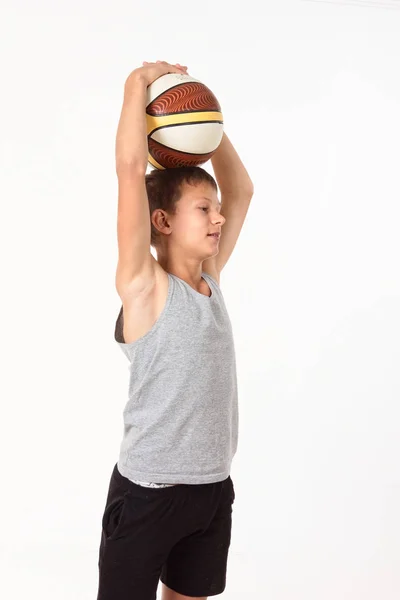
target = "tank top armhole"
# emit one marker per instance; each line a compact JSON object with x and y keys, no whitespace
{"x":215,"y":282}
{"x":118,"y":329}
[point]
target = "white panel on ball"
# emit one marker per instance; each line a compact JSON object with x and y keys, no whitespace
{"x":165,"y":82}
{"x":199,"y":138}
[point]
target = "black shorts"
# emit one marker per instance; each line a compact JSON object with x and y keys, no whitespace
{"x":179,"y":534}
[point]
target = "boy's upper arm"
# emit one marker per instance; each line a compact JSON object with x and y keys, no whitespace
{"x":133,"y":230}
{"x":234,"y":208}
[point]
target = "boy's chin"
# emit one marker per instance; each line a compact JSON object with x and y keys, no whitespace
{"x":207,"y":255}
{"x":211,"y":254}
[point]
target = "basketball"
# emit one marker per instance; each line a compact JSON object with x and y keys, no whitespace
{"x":184,"y":122}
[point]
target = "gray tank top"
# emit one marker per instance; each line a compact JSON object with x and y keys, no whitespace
{"x":181,"y":417}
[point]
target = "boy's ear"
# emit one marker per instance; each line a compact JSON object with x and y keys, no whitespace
{"x":160,"y":221}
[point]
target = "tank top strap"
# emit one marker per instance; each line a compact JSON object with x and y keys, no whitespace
{"x":212,"y":282}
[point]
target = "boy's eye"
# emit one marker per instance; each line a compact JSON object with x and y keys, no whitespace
{"x":204,"y":207}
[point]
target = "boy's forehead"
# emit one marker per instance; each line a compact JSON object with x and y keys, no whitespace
{"x":202,"y":193}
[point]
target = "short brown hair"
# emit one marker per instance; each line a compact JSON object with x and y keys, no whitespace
{"x":164,"y":189}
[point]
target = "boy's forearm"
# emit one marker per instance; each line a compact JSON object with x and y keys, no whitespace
{"x":131,"y":149}
{"x":230,"y":172}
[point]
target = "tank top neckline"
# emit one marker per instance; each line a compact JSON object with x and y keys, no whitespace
{"x":204,"y":276}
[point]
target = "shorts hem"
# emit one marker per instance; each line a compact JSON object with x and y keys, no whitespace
{"x":190,"y":591}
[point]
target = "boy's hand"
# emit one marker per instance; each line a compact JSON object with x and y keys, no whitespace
{"x":152,"y":71}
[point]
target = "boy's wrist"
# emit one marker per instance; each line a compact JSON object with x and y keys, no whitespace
{"x":136,"y":81}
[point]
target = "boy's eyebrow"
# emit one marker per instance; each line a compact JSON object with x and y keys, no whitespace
{"x":209,"y":199}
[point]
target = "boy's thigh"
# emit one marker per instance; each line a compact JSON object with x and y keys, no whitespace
{"x":131,"y":559}
{"x":197,"y":564}
{"x":136,"y":538}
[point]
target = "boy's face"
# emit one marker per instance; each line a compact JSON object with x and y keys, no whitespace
{"x":197,"y":215}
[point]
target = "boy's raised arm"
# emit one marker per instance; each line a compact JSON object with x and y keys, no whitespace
{"x":133,"y":224}
{"x":135,"y":268}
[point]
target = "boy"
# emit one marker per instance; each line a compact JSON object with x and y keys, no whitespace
{"x":168,"y":512}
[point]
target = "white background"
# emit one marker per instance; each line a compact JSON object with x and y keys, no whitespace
{"x":310,"y":95}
